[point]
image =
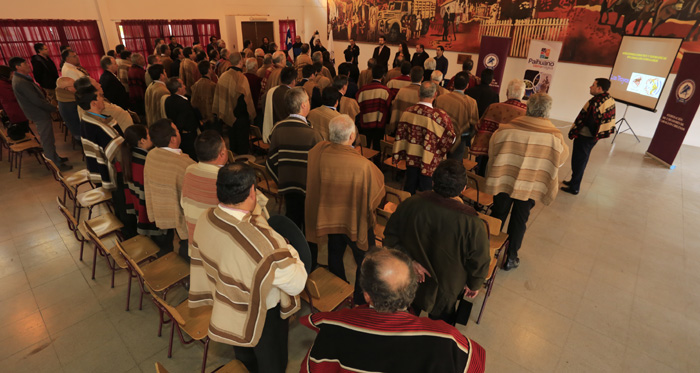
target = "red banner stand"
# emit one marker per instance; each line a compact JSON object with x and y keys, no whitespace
{"x":493,"y":54}
{"x":678,"y":114}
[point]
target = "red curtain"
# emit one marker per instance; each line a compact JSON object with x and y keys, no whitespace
{"x":184,"y":31}
{"x":284,"y":26}
{"x":17,"y":39}
{"x":140,"y":34}
{"x":206,"y":28}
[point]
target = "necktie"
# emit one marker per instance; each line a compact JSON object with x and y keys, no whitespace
{"x":82,"y":70}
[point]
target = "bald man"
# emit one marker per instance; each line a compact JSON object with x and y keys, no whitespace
{"x":384,"y":332}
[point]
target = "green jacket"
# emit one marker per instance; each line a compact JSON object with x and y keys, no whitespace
{"x":446,"y":237}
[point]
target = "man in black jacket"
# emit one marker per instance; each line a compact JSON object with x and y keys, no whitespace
{"x":187,"y":120}
{"x":45,"y":72}
{"x":483,"y":93}
{"x":382,"y":53}
{"x":113,"y":88}
{"x":420,"y":56}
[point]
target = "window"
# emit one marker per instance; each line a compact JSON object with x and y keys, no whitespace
{"x":139,"y":35}
{"x":17,"y":39}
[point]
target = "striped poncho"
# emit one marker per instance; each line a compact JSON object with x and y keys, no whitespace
{"x":364,"y":340}
{"x":524,"y":160}
{"x":374,"y":100}
{"x":101,"y":138}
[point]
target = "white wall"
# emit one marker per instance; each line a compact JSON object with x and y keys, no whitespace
{"x":569,"y":89}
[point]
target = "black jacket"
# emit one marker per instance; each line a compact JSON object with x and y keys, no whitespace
{"x":419,"y":59}
{"x":45,"y":72}
{"x":181,"y":112}
{"x":114,"y":90}
{"x":484,"y":96}
{"x":351,"y":54}
{"x":383,"y":58}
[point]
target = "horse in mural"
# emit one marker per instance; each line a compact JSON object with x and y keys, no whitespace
{"x":681,"y":10}
{"x":637,"y":11}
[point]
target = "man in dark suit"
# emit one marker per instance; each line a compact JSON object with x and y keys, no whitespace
{"x":45,"y":71}
{"x":382,"y":53}
{"x":420,"y":56}
{"x":187,"y":120}
{"x":111,"y":85}
{"x":483,"y":93}
{"x":352,"y":52}
{"x":36,"y":108}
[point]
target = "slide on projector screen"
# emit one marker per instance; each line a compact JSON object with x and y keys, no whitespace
{"x":641,"y":69}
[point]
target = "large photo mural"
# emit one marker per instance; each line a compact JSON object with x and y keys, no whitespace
{"x":591,"y":30}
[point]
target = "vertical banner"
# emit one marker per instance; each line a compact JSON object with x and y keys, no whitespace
{"x":678,"y":114}
{"x":542,"y":60}
{"x":492,"y":55}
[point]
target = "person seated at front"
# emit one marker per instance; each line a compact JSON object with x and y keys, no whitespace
{"x":383,"y":336}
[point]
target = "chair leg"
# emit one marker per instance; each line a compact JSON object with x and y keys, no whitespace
{"x":128,"y":288}
{"x":486,"y":296}
{"x":82,"y":244}
{"x":19,"y":167}
{"x":94,"y":261}
{"x":206,"y":351}
{"x":172,"y":334}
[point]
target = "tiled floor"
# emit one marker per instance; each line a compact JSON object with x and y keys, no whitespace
{"x":609,"y":281}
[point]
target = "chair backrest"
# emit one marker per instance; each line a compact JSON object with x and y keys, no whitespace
{"x":395,"y":195}
{"x":93,"y":237}
{"x":52,"y":167}
{"x":231,"y":157}
{"x":129,"y":260}
{"x":386,"y":149}
{"x":174,"y":314}
{"x":493,"y":225}
{"x":476,"y":181}
{"x":363,"y":141}
{"x":160,"y":368}
{"x":69,"y":190}
{"x":255,"y":132}
{"x":70,"y":219}
{"x":261,"y":174}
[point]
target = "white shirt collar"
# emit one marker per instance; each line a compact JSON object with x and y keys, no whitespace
{"x":184,"y":97}
{"x":331,"y":107}
{"x":176,"y":151}
{"x":299,"y":117}
{"x":158,"y":81}
{"x":428,"y":104}
{"x":236,"y":213}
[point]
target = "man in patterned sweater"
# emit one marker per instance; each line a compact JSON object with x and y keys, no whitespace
{"x":405,"y":98}
{"x":374,"y":100}
{"x":247,"y":272}
{"x":595,"y":121}
{"x":423,"y":138}
{"x":385,"y":336}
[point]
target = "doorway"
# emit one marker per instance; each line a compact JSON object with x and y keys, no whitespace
{"x":256,"y":31}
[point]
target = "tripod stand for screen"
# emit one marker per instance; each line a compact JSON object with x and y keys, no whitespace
{"x":619,"y":123}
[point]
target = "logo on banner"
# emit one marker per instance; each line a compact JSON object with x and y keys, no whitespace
{"x":685,"y":91}
{"x":544,"y":53}
{"x":491,"y":61}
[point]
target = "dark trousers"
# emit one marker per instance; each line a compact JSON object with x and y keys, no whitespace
{"x":502,"y":204}
{"x":417,"y":181}
{"x":374,"y":136}
{"x":270,"y":354}
{"x":238,"y":136}
{"x":187,"y":143}
{"x":458,"y":153}
{"x":165,"y":243}
{"x":69,"y":113}
{"x":48,"y":142}
{"x":336,"y":249}
{"x":481,"y":162}
{"x":579,"y":159}
{"x":294,"y":208}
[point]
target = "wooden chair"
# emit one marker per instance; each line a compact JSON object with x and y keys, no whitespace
{"x":88,"y":199}
{"x":325,"y":291}
{"x":266,"y":184}
{"x":498,"y":246}
{"x":160,"y":275}
{"x":474,"y":193}
{"x":387,"y":156}
{"x":256,"y":139}
{"x":16,"y":149}
{"x":362,"y":139}
{"x":74,"y":181}
{"x":469,"y":164}
{"x":391,"y":200}
{"x":103,"y":225}
{"x":102,"y":250}
{"x":193,"y":321}
{"x":240,"y":158}
{"x":140,"y":248}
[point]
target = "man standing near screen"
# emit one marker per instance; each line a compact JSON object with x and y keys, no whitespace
{"x":595,"y":121}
